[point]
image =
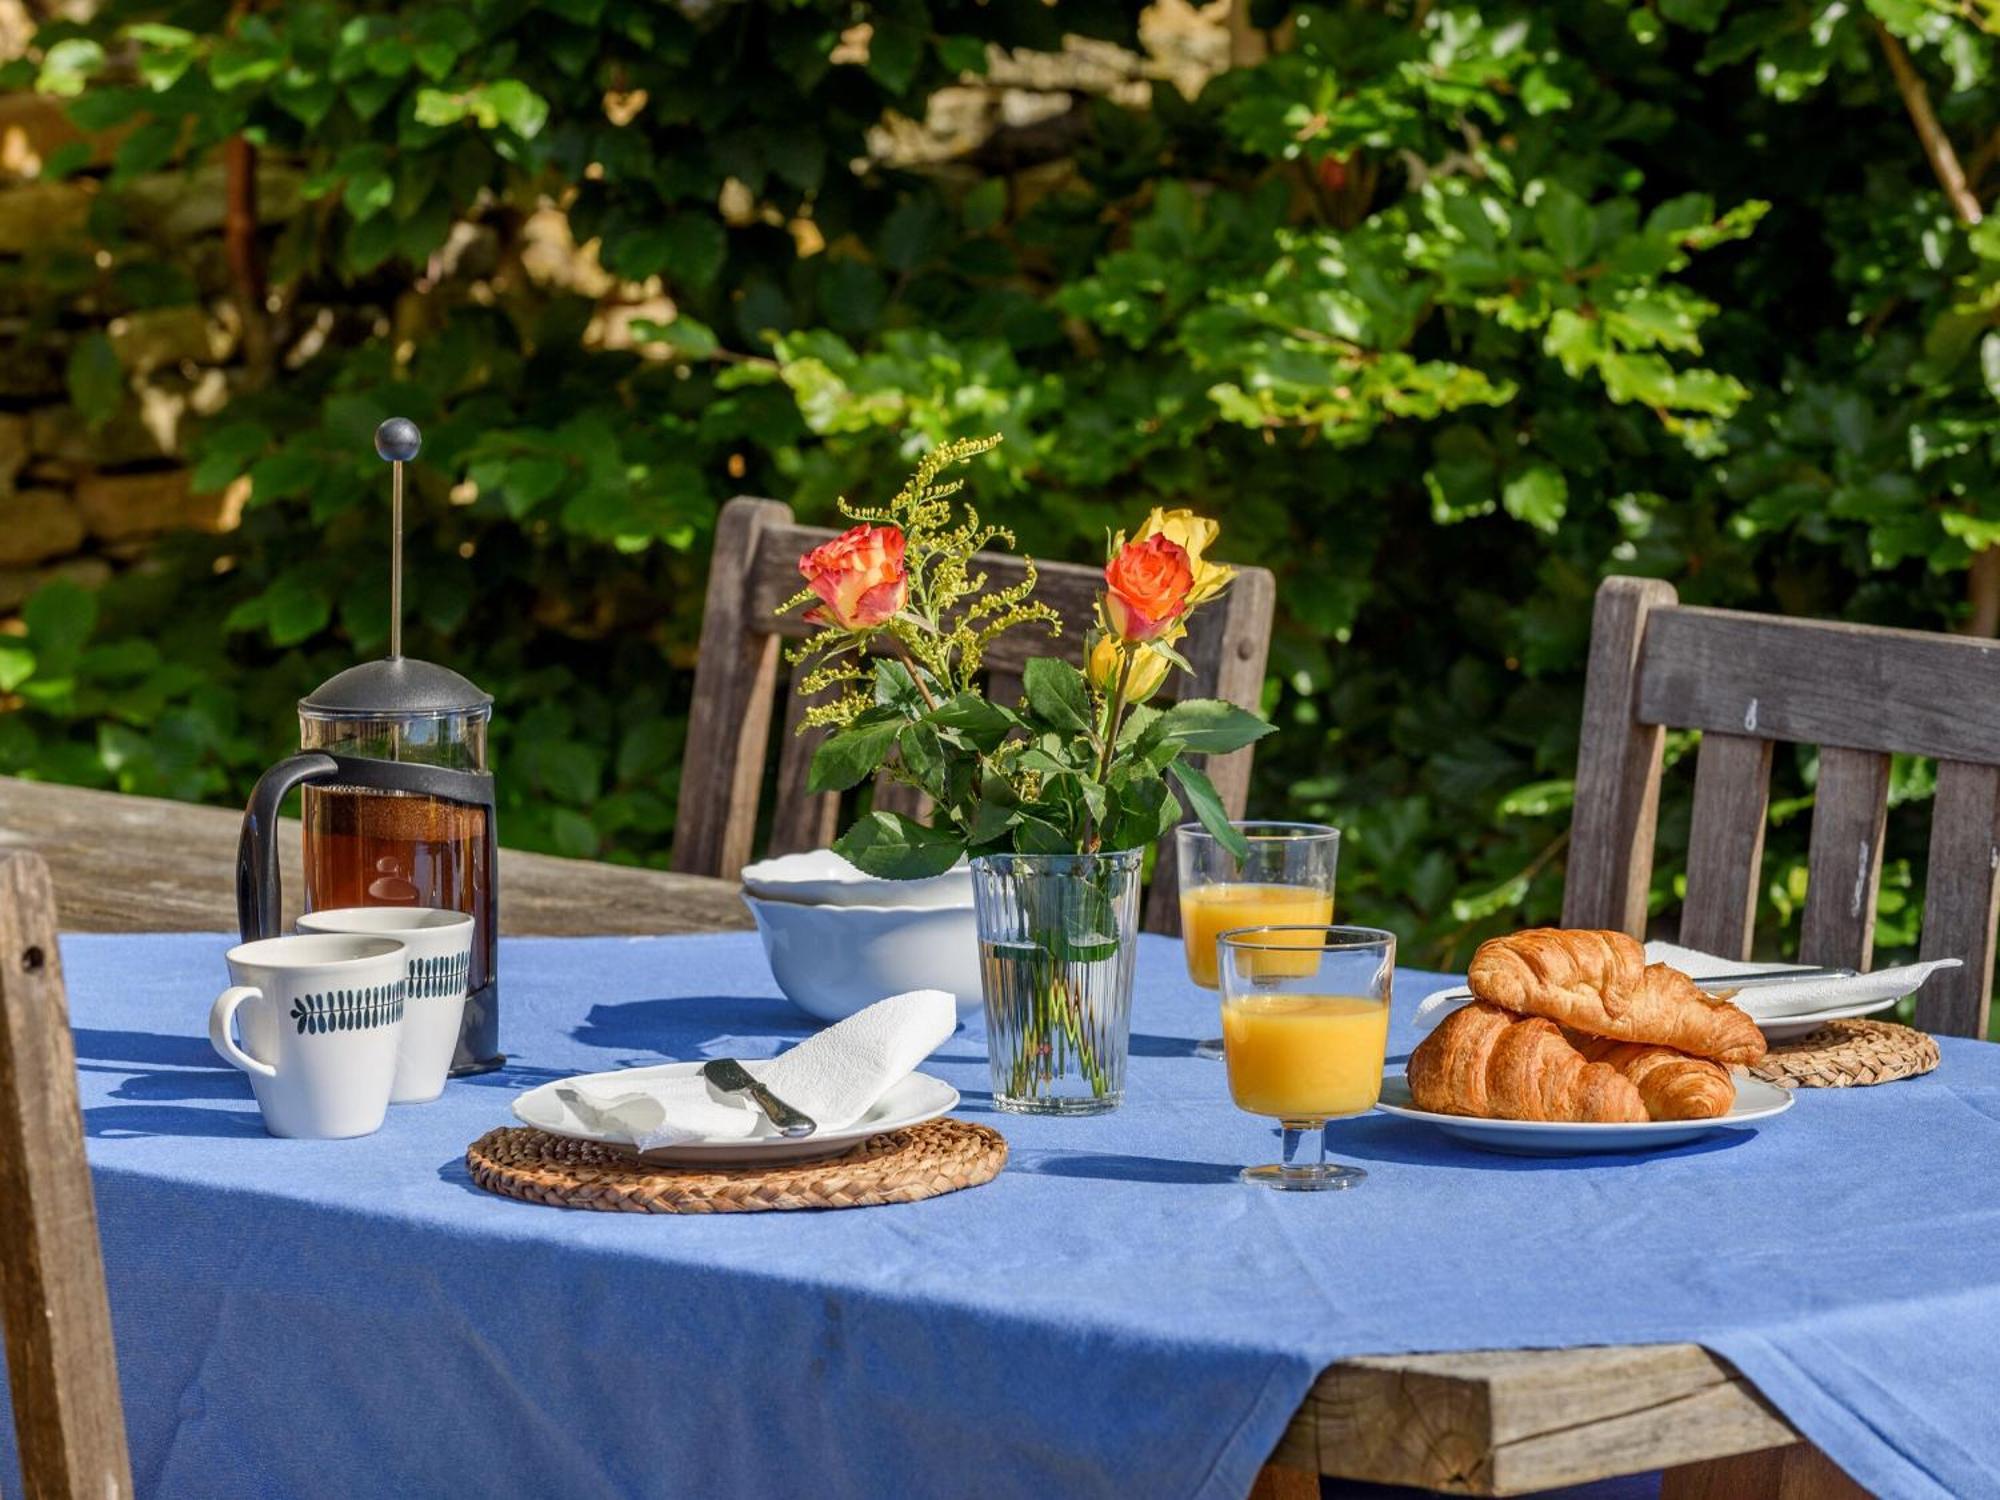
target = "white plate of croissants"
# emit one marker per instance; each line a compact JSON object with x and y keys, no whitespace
{"x":1574,"y":1044}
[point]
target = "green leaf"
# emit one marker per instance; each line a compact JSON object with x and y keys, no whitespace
{"x":1564,"y":222}
{"x":368,"y":193}
{"x":96,"y":379}
{"x":981,"y":724}
{"x":1538,"y":496}
{"x":1206,"y":804}
{"x":295,"y":611}
{"x":983,"y":207}
{"x":896,"y":688}
{"x":890,"y":846}
{"x":370,"y":242}
{"x":696,"y":246}
{"x":853,"y":755}
{"x":68,"y":66}
{"x":527,"y":482}
{"x":17,"y":662}
{"x":1538,"y":799}
{"x":1210,"y":727}
{"x":689,"y":337}
{"x":513,"y":104}
{"x":1508,"y":894}
{"x":1058,"y":694}
{"x":1989,"y":363}
{"x":895,"y":49}
{"x":227,"y":452}
{"x":60,"y":617}
{"x":573,"y":834}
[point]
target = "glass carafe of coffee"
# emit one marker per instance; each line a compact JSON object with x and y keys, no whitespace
{"x":398,"y":801}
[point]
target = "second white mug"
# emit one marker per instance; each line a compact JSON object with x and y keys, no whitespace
{"x":320,"y":1015}
{"x":440,"y":959}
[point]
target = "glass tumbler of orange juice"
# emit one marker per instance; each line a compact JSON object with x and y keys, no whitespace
{"x":1305,"y":1026}
{"x":1284,"y":882}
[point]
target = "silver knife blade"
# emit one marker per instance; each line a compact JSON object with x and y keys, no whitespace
{"x":1768,"y":976}
{"x":729,"y":1075}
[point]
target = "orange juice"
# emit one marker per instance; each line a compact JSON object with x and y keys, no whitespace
{"x":1305,"y":1057}
{"x":1210,"y":909}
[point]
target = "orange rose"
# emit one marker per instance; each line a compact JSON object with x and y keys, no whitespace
{"x":859,"y":575}
{"x":1146,"y":588}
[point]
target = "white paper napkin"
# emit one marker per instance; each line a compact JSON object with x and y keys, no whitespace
{"x":836,"y":1077}
{"x":1767,"y":1000}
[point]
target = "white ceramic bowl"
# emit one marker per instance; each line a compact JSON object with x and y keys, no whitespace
{"x":832,"y":960}
{"x":820,"y":877}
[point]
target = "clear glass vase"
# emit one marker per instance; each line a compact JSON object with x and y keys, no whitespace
{"x":1057,"y":937}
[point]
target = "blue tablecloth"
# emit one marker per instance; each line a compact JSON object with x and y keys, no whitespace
{"x":1115,"y":1315}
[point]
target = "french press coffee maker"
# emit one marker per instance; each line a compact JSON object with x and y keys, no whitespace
{"x":398,"y":803}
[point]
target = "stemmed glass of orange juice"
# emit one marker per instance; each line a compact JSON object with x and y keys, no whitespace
{"x":1286,"y":880}
{"x":1305,"y":1026}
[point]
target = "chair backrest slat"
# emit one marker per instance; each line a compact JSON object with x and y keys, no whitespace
{"x":800,"y":819}
{"x":68,"y":1423}
{"x":1860,"y":694}
{"x":1732,"y":793}
{"x":754,"y":570}
{"x":1617,"y":767}
{"x":1844,"y":868}
{"x":1961,"y":897}
{"x":735,"y":677}
{"x":1823,"y":682}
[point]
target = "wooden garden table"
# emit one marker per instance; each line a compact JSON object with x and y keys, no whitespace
{"x":1486,"y":1423}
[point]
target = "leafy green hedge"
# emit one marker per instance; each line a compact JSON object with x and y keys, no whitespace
{"x":1446,"y":309}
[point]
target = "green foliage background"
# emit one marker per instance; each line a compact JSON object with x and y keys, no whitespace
{"x":1445,"y":310}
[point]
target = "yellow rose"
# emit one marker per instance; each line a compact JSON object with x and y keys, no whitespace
{"x":1149,"y":669}
{"x":1194,"y":534}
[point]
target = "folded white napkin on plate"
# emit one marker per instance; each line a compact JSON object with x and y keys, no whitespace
{"x":1767,"y":1000}
{"x":835,"y":1077}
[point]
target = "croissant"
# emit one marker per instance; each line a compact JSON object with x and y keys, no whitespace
{"x":1488,"y":1062}
{"x":1673,"y":1085}
{"x":1600,"y":983}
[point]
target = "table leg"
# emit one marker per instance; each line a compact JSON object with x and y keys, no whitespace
{"x":1798,"y":1471}
{"x":1277,"y":1482}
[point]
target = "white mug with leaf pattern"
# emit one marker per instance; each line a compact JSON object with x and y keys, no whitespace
{"x":320,"y":1016}
{"x":440,"y":959}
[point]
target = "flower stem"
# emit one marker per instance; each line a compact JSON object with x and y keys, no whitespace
{"x":1117,"y":709}
{"x":917,"y":674}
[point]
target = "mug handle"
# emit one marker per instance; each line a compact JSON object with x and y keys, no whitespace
{"x":220,"y":1015}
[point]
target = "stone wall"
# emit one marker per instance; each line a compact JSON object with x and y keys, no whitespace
{"x":80,"y":500}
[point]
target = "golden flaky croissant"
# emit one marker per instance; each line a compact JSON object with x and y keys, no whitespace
{"x":1673,"y":1085}
{"x":1491,"y":1063}
{"x":1600,"y":983}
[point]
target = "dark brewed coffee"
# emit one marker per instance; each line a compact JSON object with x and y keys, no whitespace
{"x":370,"y":848}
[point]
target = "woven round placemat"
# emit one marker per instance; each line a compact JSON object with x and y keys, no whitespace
{"x":899,"y":1166}
{"x":1848,"y":1054}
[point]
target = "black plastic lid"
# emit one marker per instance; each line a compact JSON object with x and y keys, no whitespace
{"x":390,"y":689}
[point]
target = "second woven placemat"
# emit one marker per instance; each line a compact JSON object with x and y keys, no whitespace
{"x":1848,"y":1054}
{"x":899,"y":1166}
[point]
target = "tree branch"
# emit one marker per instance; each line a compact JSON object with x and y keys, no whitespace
{"x":1937,"y":145}
{"x":1982,"y":590}
{"x":239,"y":238}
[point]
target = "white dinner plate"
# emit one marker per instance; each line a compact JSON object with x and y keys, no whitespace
{"x":1784,"y":1028}
{"x":916,"y":1099}
{"x":1755,"y":1101}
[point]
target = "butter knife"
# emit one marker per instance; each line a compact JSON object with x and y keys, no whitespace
{"x":1751,"y":978}
{"x":729,"y":1075}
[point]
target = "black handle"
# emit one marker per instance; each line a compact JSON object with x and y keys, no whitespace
{"x":260,"y":904}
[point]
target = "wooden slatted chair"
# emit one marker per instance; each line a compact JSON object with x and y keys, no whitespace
{"x":1745,"y":681}
{"x":754,"y":569}
{"x":69,"y":1424}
